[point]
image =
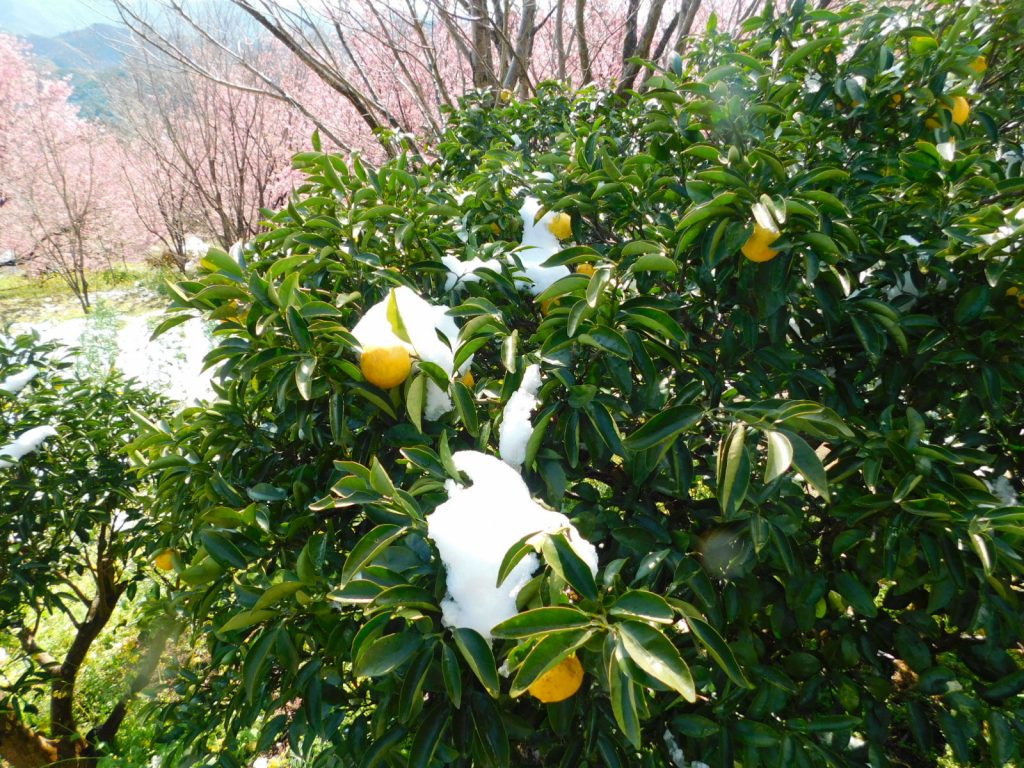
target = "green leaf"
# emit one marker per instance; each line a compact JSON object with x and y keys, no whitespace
{"x":780,"y":455}
{"x":559,"y":554}
{"x":622,"y":692}
{"x":541,"y":621}
{"x":415,"y":397}
{"x":807,"y":463}
{"x":733,"y":470}
{"x":718,"y":649}
{"x":657,"y":656}
{"x":664,"y":427}
{"x":480,"y":658}
{"x":386,"y":654}
{"x":545,"y":655}
{"x":654,"y":262}
{"x":640,"y":604}
{"x":428,"y":736}
{"x":855,"y":594}
{"x":371,"y":545}
{"x":266,"y":492}
{"x":395,"y":318}
{"x":304,"y":376}
{"x":222,"y":550}
{"x":245,"y":619}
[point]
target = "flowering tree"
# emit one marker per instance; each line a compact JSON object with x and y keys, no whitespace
{"x":62,"y":210}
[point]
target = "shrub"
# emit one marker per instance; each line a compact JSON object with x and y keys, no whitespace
{"x":75,"y":533}
{"x":788,"y":467}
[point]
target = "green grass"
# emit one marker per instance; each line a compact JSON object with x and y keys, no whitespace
{"x":21,"y":296}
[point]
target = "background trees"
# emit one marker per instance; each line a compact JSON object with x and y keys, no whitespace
{"x":75,"y":543}
{"x":801,"y":475}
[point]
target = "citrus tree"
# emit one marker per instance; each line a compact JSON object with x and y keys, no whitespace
{"x":730,"y":369}
{"x":72,"y":512}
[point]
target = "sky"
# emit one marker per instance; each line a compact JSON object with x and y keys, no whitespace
{"x":52,"y":17}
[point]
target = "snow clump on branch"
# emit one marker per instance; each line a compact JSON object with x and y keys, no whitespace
{"x":423,"y":325}
{"x":24,"y":444}
{"x":16,"y":382}
{"x":515,"y":430}
{"x":474,"y":530}
{"x":539,"y":245}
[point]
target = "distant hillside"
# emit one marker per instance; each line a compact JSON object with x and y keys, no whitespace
{"x":96,"y":47}
{"x":90,"y":57}
{"x":52,"y":17}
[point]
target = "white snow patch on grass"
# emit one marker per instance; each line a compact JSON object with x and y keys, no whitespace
{"x":476,"y":527}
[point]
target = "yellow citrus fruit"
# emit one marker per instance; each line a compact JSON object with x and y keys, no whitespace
{"x":979,"y":65}
{"x":467,"y":379}
{"x":961,"y":109}
{"x":1020,"y":300}
{"x":1013,"y":290}
{"x":896,"y":99}
{"x":164,"y":560}
{"x":757,"y":246}
{"x":386,"y":367}
{"x":561,"y":225}
{"x":560,"y":682}
{"x":505,"y":95}
{"x":495,"y":228}
{"x":585,"y":269}
{"x":931,"y":122}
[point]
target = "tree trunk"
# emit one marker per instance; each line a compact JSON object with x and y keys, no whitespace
{"x":586,"y":71}
{"x":22,"y":747}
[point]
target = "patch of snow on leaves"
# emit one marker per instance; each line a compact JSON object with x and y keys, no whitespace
{"x":539,"y":244}
{"x":423,"y":322}
{"x":24,"y":444}
{"x":462,"y":272}
{"x":16,"y":382}
{"x":474,"y":529}
{"x":515,"y":429}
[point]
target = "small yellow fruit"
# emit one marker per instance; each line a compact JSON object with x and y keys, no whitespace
{"x":585,"y":269}
{"x":495,"y":228}
{"x":1013,"y":290}
{"x":979,"y":66}
{"x":560,"y":682}
{"x":164,"y":560}
{"x":561,"y":225}
{"x":467,"y":379}
{"x":757,"y":246}
{"x":896,"y":99}
{"x":505,"y":95}
{"x":1020,"y":300}
{"x":931,"y":122}
{"x":961,"y":110}
{"x":385,"y":367}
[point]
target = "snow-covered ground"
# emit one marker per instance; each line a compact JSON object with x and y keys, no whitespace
{"x":171,"y":364}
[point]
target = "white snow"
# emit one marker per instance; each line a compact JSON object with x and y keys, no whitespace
{"x":675,"y":752}
{"x":462,"y":272}
{"x":539,"y":244}
{"x":515,"y":429}
{"x":947,"y":150}
{"x":24,"y":444}
{"x":16,"y":382}
{"x":475,"y":528}
{"x":422,"y":322}
{"x":171,"y":364}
